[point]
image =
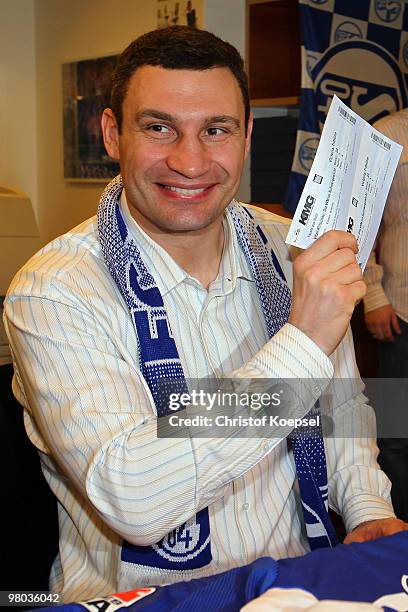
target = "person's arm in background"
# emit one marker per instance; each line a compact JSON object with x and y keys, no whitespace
{"x":380,"y":317}
{"x":358,"y":490}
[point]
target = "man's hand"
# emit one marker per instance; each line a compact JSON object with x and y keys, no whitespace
{"x":382,"y":322}
{"x":327,"y":285}
{"x":371,"y":530}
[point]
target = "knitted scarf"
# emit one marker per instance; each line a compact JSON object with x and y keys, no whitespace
{"x":189,"y":546}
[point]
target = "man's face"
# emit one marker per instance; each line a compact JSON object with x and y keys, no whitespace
{"x":182,"y":146}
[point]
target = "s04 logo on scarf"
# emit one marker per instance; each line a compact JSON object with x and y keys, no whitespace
{"x":183,"y":543}
{"x":185,"y":547}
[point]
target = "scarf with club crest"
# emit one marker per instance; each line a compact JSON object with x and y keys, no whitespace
{"x":188,"y":546}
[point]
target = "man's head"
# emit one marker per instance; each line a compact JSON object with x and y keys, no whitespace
{"x":176,"y":48}
{"x":180,"y":128}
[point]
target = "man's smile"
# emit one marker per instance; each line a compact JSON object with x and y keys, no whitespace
{"x":190,"y":193}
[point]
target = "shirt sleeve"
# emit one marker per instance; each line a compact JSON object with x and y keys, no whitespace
{"x":92,"y":411}
{"x":393,"y":127}
{"x":373,"y":274}
{"x":358,"y":490}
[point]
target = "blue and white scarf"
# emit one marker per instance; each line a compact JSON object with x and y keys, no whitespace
{"x":189,"y":546}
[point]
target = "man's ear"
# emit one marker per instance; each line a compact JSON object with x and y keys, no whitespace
{"x":248,"y":135}
{"x":110,"y":133}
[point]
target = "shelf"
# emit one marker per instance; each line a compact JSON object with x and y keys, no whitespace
{"x":274,"y":208}
{"x":273,"y":57}
{"x":289,"y":101}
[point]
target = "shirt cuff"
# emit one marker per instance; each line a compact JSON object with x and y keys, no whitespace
{"x":292,"y":354}
{"x":292,"y":357}
{"x":365,"y":507}
{"x":375,"y":298}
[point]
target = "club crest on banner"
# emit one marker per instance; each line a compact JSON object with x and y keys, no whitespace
{"x":357,"y":51}
{"x":307,"y":152}
{"x":405,"y":54}
{"x":388,"y":10}
{"x":347,"y":30}
{"x":311,"y":61}
{"x":350,"y":70}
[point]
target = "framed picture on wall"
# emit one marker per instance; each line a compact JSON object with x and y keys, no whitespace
{"x":86,"y":91}
{"x":171,"y":12}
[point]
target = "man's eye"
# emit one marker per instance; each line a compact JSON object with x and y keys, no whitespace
{"x":216,"y":131}
{"x":158,"y":128}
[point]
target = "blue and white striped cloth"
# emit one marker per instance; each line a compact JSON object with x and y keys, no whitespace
{"x":356,"y":50}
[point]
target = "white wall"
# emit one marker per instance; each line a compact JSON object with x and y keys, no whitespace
{"x":226,"y":18}
{"x":18,"y":140}
{"x":66,"y":32}
{"x":36,"y":38}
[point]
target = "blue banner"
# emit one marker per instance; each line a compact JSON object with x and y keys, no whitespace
{"x":358,"y":50}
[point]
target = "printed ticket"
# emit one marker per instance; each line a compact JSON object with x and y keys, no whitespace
{"x":348,"y":183}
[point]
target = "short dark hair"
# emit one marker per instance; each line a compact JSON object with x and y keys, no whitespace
{"x":176,"y":48}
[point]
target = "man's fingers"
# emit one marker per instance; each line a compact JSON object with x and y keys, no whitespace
{"x":381,"y":332}
{"x":386,"y":333}
{"x":352,"y":292}
{"x":382,"y":322}
{"x":371,"y":530}
{"x":341,"y":272}
{"x":349,"y":274}
{"x":395,"y":324}
{"x":340,"y":259}
{"x":358,"y":290}
{"x":328,"y":243}
{"x":354,"y":536}
{"x":372,"y":328}
{"x":327,"y":285}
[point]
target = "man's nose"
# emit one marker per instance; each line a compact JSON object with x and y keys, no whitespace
{"x":189,"y":156}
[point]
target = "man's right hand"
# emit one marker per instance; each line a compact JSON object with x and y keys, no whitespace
{"x":382,"y":322}
{"x":327,"y":285}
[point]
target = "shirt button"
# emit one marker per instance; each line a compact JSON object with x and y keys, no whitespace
{"x":316,"y":389}
{"x":245,"y":506}
{"x":266,"y":447}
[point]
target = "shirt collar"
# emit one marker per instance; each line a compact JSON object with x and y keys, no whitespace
{"x":239,"y":267}
{"x":168,"y":273}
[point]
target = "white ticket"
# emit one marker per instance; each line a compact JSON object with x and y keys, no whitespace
{"x":348,"y":183}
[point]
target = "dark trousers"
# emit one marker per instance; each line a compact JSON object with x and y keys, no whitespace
{"x":28,"y":510}
{"x":393,"y":458}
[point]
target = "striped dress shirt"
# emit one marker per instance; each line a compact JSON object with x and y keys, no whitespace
{"x":90,"y":413}
{"x":5,"y":356}
{"x":386,"y":273}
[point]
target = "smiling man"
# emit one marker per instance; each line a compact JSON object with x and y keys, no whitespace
{"x":181,"y":158}
{"x":175,"y":279}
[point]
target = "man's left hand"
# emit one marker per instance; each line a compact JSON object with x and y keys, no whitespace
{"x":371,"y":530}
